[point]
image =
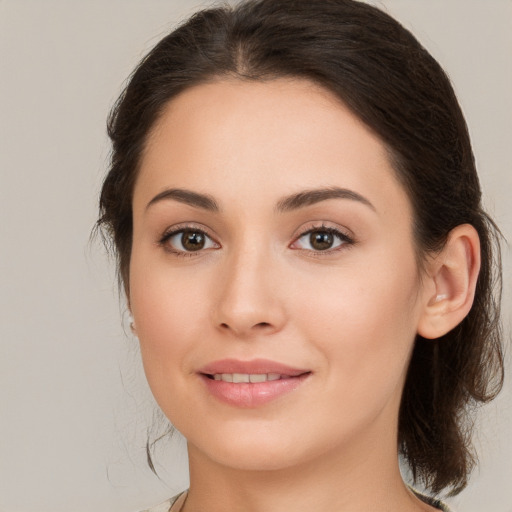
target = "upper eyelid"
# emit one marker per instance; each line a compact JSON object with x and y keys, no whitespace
{"x":325,"y":225}
{"x":177,"y":228}
{"x":322,"y":228}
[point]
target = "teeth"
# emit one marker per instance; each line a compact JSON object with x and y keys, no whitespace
{"x":262,"y":377}
{"x":246,"y":377}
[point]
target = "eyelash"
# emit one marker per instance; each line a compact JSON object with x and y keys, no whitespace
{"x":182,"y":229}
{"x":346,"y":240}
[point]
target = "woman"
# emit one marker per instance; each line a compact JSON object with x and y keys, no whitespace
{"x":296,"y":213}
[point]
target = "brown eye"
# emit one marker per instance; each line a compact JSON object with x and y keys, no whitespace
{"x":187,"y":241}
{"x":192,"y":240}
{"x":321,"y":240}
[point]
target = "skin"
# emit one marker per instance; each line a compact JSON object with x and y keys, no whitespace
{"x":259,"y":290}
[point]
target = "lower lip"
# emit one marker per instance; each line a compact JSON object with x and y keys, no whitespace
{"x":248,"y":394}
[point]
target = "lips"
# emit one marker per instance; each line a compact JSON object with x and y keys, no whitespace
{"x":251,"y":383}
{"x":254,"y":366}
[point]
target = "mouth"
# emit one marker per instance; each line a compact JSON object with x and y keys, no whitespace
{"x":249,"y":384}
{"x":238,"y":378}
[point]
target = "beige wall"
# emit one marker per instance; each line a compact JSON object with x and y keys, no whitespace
{"x":74,"y":406}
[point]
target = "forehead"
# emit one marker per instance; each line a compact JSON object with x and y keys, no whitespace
{"x":277,"y":113}
{"x":239,"y":138}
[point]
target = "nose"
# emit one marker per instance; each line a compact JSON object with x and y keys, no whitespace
{"x":248,"y":301}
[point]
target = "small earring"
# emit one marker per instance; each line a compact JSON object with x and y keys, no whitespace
{"x":132,"y":328}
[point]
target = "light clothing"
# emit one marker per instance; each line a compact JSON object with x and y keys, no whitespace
{"x":175,"y":503}
{"x":431,"y":501}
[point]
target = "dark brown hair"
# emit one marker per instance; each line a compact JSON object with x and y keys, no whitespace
{"x":381,"y":72}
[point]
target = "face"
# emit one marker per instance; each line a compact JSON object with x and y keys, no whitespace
{"x":273,"y":244}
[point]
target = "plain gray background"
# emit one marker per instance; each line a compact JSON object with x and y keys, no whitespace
{"x":74,"y":407}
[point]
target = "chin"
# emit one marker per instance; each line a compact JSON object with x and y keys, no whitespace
{"x":256,"y":458}
{"x":249,"y":452}
{"x":264,"y":449}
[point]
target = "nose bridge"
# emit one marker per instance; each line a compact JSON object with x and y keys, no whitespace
{"x":247,"y":301}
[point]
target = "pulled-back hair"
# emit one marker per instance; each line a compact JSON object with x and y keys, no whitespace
{"x":389,"y":81}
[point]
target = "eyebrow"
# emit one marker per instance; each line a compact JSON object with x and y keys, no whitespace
{"x":310,"y":197}
{"x":286,"y":204}
{"x":203,"y":201}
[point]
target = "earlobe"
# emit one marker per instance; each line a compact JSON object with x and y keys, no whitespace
{"x":132,"y":321}
{"x":453,"y":275}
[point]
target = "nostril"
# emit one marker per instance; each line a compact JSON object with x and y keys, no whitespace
{"x":246,"y":328}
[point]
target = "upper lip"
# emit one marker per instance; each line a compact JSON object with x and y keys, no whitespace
{"x":254,"y":366}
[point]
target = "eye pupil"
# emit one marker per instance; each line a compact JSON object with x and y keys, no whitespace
{"x":192,"y":240}
{"x":321,"y":240}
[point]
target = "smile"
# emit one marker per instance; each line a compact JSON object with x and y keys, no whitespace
{"x":248,"y":377}
{"x":249,"y":384}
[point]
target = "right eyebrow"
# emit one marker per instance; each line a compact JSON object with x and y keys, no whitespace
{"x":203,"y":201}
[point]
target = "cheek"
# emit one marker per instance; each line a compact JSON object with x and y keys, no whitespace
{"x":168,"y":312}
{"x":170,"y":327}
{"x":364,"y":323}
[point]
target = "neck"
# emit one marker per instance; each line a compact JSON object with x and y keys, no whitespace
{"x":359,"y":476}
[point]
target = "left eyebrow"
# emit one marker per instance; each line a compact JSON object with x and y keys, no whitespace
{"x":310,"y":197}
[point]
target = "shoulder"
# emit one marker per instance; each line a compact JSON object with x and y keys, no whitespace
{"x":166,"y":505}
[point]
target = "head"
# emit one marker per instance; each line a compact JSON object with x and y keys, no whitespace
{"x":356,"y":57}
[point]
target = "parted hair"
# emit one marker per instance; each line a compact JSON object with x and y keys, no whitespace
{"x":390,"y":82}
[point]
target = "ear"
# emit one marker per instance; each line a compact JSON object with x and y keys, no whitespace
{"x":449,"y":287}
